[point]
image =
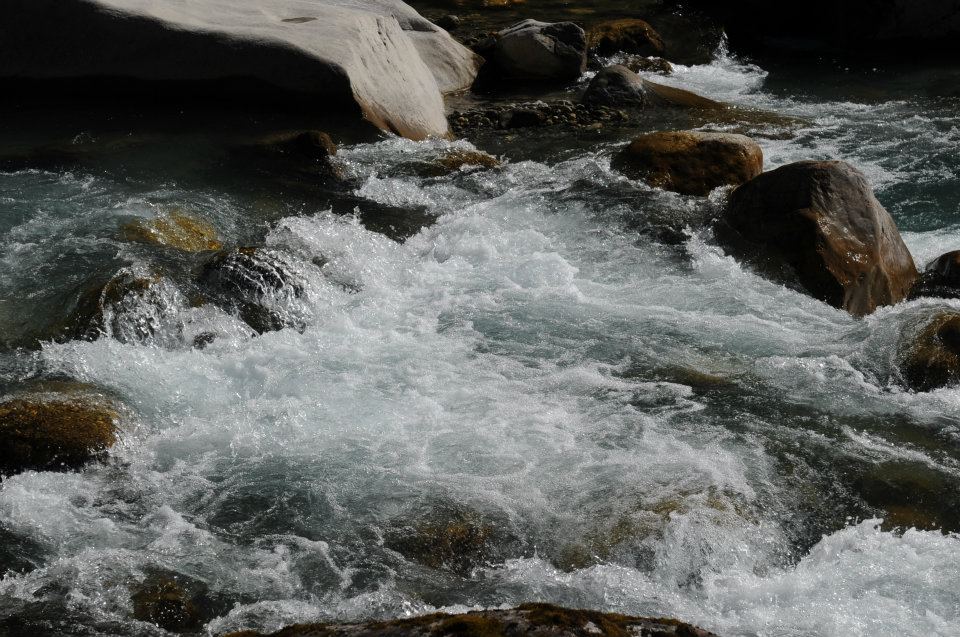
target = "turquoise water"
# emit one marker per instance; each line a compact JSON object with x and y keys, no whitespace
{"x":628,"y":423}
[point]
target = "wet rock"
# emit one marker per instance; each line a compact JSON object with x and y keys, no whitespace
{"x":628,"y":35}
{"x":256,"y":284}
{"x":451,"y":538}
{"x":534,"y":51}
{"x":941,"y":278}
{"x":175,"y":229}
{"x":639,"y":63}
{"x":449,"y":22}
{"x":161,"y":600}
{"x":690,"y":162}
{"x":563,"y":113}
{"x":816,"y":225}
{"x":455,"y":160}
{"x":103,"y":308}
{"x":617,"y":85}
{"x":375,"y":59}
{"x":55,"y":430}
{"x":543,"y":620}
{"x":930,"y":357}
{"x":910,"y":495}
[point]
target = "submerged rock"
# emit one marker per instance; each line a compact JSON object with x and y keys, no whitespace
{"x":690,"y":162}
{"x":543,"y":620}
{"x":175,"y":229}
{"x":818,"y":226}
{"x":535,"y":51}
{"x":941,"y":278}
{"x":55,"y":430}
{"x":163,"y":601}
{"x":627,"y":35}
{"x":930,"y":358}
{"x":639,"y":63}
{"x":103,"y":308}
{"x":257,"y":284}
{"x":455,"y":160}
{"x":377,"y":58}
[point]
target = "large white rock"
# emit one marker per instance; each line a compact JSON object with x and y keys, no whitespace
{"x":379,"y":54}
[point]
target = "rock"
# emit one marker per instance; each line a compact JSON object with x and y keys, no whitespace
{"x":257,"y":284}
{"x":639,"y":63}
{"x":376,"y":58}
{"x":817,"y":225}
{"x":563,"y":113}
{"x":542,"y":620}
{"x":448,"y":537}
{"x":941,"y":278}
{"x":51,"y":430}
{"x":163,"y":601}
{"x":616,"y":85}
{"x":102,"y":307}
{"x":689,"y":162}
{"x":535,"y":51}
{"x":449,"y":22}
{"x":911,"y":495}
{"x":930,"y":358}
{"x":175,"y":229}
{"x":628,"y":35}
{"x":455,"y":160}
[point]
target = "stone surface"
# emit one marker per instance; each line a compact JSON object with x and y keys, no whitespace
{"x":55,"y":429}
{"x":378,"y":58}
{"x":163,"y":601}
{"x":690,"y":162}
{"x":455,"y":160}
{"x":941,"y":278}
{"x":617,"y":85}
{"x":175,"y":229}
{"x":628,"y":35}
{"x":542,"y":620}
{"x":930,"y":357}
{"x":535,"y":51}
{"x":817,"y":225}
{"x":292,"y":154}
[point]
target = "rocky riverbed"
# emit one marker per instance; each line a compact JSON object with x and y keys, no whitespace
{"x":478,"y":317}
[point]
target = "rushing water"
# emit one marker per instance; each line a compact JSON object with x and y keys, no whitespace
{"x":625,"y":423}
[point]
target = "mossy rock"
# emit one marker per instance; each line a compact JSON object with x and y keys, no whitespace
{"x":55,"y":430}
{"x":175,"y":229}
{"x":930,"y":358}
{"x":543,"y":620}
{"x":628,"y":35}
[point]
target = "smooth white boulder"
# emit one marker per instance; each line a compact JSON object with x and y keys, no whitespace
{"x":378,"y":54}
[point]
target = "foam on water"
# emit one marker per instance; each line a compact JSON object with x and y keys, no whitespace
{"x":621,"y":409}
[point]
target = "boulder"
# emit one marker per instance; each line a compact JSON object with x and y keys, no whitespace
{"x":107,"y":308}
{"x":535,"y":51}
{"x":543,"y":620}
{"x":690,"y":162}
{"x":175,"y":229}
{"x":260,"y":285}
{"x":377,"y":58}
{"x":941,"y":278}
{"x":628,"y":35}
{"x":639,"y":63}
{"x":816,"y":225}
{"x":616,"y":85}
{"x":930,"y":357}
{"x":59,"y":429}
{"x":456,"y":160}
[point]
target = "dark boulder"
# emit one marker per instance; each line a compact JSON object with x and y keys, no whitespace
{"x":628,"y":35}
{"x":941,"y":278}
{"x":816,"y":225}
{"x":690,"y":162}
{"x":534,"y":51}
{"x":930,"y":357}
{"x":542,"y":620}
{"x":616,"y":85}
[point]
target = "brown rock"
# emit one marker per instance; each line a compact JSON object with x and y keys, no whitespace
{"x":628,"y":35}
{"x":616,"y":85}
{"x":175,"y":229}
{"x":691,"y":163}
{"x":163,"y":601}
{"x":453,"y":160}
{"x":818,"y":226}
{"x":941,"y":278}
{"x":543,"y":620}
{"x":930,"y":358}
{"x":55,"y":430}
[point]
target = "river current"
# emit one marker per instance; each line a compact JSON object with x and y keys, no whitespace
{"x":622,"y":422}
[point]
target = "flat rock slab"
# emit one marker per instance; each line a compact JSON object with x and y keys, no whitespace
{"x":379,"y":58}
{"x":541,"y":620}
